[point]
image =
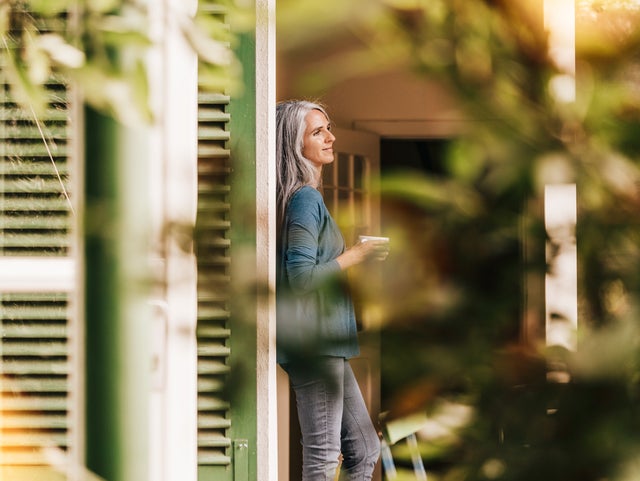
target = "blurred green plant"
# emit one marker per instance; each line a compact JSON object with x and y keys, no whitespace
{"x":458,"y":301}
{"x":103,"y":46}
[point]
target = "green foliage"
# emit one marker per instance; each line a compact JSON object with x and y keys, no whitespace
{"x":459,"y":300}
{"x":104,"y":46}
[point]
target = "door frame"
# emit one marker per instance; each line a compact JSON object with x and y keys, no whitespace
{"x":352,"y":143}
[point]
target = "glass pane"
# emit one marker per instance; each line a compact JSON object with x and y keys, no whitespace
{"x":359,"y":171}
{"x":360,"y":210}
{"x":344,"y":169}
{"x":327,"y":176}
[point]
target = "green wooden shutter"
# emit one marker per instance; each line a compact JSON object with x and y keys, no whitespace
{"x":213,"y":245}
{"x":35,"y":226}
{"x":34,"y":405}
{"x":226,"y":243}
{"x":34,"y":215}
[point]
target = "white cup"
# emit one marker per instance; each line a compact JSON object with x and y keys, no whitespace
{"x":365,"y":238}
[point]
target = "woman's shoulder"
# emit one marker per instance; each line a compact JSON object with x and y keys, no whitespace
{"x":307,"y":201}
{"x":306,"y":195}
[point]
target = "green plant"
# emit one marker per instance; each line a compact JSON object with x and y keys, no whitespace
{"x":477,"y":233}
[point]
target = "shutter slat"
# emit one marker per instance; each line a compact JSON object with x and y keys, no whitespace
{"x":216,"y":134}
{"x":213,"y":279}
{"x":55,"y":131}
{"x":213,"y":189}
{"x":35,"y":385}
{"x":209,"y":207}
{"x":214,"y":422}
{"x":40,"y":404}
{"x":212,"y":404}
{"x":34,"y":367}
{"x":51,"y":221}
{"x":35,"y":332}
{"x":212,"y":296}
{"x":216,"y":262}
{"x":34,"y":241}
{"x":32,"y":439}
{"x":211,"y":115}
{"x":37,"y":308}
{"x":29,"y":464}
{"x":32,"y":185}
{"x":30,"y":167}
{"x":33,"y":421}
{"x":214,"y":224}
{"x":24,"y":319}
{"x":217,"y":241}
{"x":36,"y":148}
{"x":206,"y":366}
{"x":21,"y":348}
{"x":214,"y":441}
{"x":50,"y":115}
{"x":44,"y":204}
{"x":205,"y":457}
{"x":29,"y":299}
{"x":207,"y":169}
{"x":213,"y":151}
{"x":212,"y":313}
{"x":211,"y":385}
{"x":213,"y":350}
{"x":213,"y":98}
{"x":213,"y":332}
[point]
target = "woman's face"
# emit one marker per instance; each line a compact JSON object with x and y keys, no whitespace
{"x":318,"y":140}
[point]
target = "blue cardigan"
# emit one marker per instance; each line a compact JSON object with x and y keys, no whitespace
{"x":315,"y":315}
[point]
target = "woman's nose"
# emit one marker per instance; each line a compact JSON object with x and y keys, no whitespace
{"x":330,"y":137}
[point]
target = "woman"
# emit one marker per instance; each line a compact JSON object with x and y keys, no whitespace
{"x":316,"y":328}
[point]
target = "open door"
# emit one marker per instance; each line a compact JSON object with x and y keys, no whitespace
{"x":349,"y":189}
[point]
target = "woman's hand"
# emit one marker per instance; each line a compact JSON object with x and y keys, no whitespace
{"x":363,"y":251}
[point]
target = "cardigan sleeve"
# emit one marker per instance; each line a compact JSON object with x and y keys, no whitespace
{"x":305,"y":270}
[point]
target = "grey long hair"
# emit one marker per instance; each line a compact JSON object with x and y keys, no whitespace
{"x":292,"y":168}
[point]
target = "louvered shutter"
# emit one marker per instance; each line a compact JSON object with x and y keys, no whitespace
{"x":213,"y":245}
{"x":35,"y":233}
{"x":35,"y":210}
{"x":35,"y":409}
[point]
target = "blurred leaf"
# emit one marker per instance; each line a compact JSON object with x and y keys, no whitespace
{"x":209,"y":49}
{"x":5,"y":19}
{"x":122,"y":97}
{"x":60,"y":51}
{"x":432,"y":194}
{"x":50,"y":7}
{"x":108,"y":60}
{"x":37,"y":61}
{"x":104,"y":6}
{"x":31,"y":95}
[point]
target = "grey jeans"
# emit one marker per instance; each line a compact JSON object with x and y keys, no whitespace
{"x":333,"y":419}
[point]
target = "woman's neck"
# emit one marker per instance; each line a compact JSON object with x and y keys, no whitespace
{"x":317,"y":177}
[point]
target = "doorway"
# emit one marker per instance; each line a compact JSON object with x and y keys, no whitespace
{"x":399,"y":111}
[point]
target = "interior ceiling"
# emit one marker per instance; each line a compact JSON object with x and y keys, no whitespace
{"x":361,"y":94}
